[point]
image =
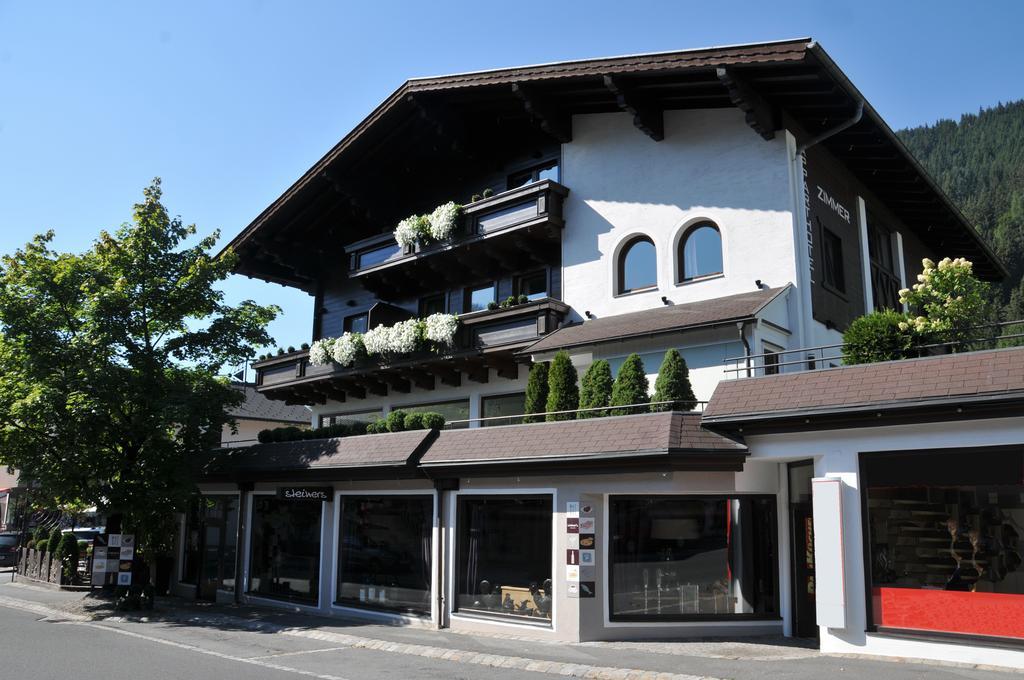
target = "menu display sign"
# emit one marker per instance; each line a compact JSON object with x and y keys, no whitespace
{"x":113,"y":556}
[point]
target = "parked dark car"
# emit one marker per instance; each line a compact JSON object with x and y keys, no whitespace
{"x":8,"y":550}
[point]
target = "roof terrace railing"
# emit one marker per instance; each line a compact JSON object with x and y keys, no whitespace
{"x":600,"y":411}
{"x":830,"y":356}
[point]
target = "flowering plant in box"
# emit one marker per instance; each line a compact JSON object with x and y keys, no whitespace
{"x":443,"y":220}
{"x":320,"y":352}
{"x":412,"y":229}
{"x":440,"y":328}
{"x":348,"y":348}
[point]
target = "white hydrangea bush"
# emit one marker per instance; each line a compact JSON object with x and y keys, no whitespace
{"x":443,"y":221}
{"x":320,"y":352}
{"x":441,"y":328}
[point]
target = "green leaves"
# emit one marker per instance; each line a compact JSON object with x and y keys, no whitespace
{"x":109,"y":362}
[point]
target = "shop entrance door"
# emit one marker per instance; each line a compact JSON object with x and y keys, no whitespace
{"x":802,"y":533}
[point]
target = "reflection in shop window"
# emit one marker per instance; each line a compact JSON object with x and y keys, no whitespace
{"x":945,"y":535}
{"x":211,"y":536}
{"x":676,"y":557}
{"x":384,"y":555}
{"x":285,"y":559}
{"x":504,"y":556}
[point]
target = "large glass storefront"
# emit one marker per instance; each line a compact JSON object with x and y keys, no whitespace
{"x":504,"y":556}
{"x":384,"y":556}
{"x":686,"y":557}
{"x":285,"y":557}
{"x":211,"y":539}
{"x":944,"y":531}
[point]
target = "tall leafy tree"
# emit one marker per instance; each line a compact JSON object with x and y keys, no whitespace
{"x":673,"y":384}
{"x":563,"y":393}
{"x":631,"y":386}
{"x":596,"y":389}
{"x":109,"y":362}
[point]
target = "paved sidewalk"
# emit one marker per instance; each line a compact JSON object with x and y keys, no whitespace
{"x":685,"y":660}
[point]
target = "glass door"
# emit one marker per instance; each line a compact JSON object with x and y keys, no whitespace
{"x":802,"y":530}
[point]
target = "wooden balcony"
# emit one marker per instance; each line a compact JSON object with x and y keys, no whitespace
{"x":511,"y":231}
{"x":486,"y":340}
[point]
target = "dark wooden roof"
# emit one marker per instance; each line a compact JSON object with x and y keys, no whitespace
{"x":667,"y":319}
{"x":258,"y":407}
{"x":431,"y":131}
{"x":973,"y":384}
{"x":675,"y":437}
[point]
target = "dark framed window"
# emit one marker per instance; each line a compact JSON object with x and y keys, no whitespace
{"x":211,"y":544}
{"x":885,"y":285}
{"x":457,"y":409}
{"x":546,"y":170}
{"x":504,"y":556}
{"x":350,"y":417}
{"x":433,"y":304}
{"x":508,"y":407}
{"x":692,"y":557}
{"x":771,"y":359}
{"x":284,"y":562}
{"x":944,"y":537}
{"x":479,"y":297}
{"x":384,"y":552}
{"x":637,"y":266}
{"x":700,"y":252}
{"x":533,"y":285}
{"x":357,"y":323}
{"x":833,"y":274}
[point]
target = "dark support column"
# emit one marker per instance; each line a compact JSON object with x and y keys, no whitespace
{"x":243,"y":495}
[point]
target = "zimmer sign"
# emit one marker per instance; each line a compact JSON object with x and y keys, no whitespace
{"x":305,"y":493}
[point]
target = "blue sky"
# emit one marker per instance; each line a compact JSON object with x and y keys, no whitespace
{"x":229,"y":102}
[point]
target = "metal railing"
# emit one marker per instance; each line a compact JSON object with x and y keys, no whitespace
{"x":830,"y":356}
{"x":600,"y":411}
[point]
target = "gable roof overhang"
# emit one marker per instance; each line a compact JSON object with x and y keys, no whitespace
{"x":447,"y":125}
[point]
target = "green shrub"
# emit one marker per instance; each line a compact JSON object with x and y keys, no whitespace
{"x":264,"y":436}
{"x":67,"y":553}
{"x":413,"y":421}
{"x":523,"y":299}
{"x":377,"y":427}
{"x":630,"y":385}
{"x":40,"y":534}
{"x":877,"y":337}
{"x":673,"y":384}
{"x":55,"y":535}
{"x":596,"y":389}
{"x":536,"y":392}
{"x":41,"y":546}
{"x":563,"y":393}
{"x":356,"y":428}
{"x":31,"y":543}
{"x":395,"y":421}
{"x":433,"y":421}
{"x":83,"y":546}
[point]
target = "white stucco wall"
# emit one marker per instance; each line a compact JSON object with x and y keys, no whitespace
{"x":710,"y":166}
{"x":836,"y":455}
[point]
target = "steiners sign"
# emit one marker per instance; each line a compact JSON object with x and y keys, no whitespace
{"x":305,"y":493}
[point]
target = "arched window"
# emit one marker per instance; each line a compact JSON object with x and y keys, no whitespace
{"x":638,"y":265}
{"x":700,"y":252}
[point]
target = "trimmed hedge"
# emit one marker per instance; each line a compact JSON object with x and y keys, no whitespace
{"x":596,"y":389}
{"x":67,"y":553}
{"x":397,"y":421}
{"x":563,"y":394}
{"x":630,"y":385}
{"x":673,"y":384}
{"x":55,"y":537}
{"x":42,"y":546}
{"x":878,"y":337}
{"x":536,"y":392}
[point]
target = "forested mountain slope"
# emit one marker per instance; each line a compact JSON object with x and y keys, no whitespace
{"x":979,"y":162}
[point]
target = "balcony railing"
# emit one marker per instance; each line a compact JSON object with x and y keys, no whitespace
{"x":525,"y":221}
{"x":990,"y":336}
{"x":485,"y":340}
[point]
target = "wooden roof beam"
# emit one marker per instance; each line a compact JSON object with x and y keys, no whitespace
{"x":649,"y":119}
{"x":759,"y":113}
{"x":558,"y":125}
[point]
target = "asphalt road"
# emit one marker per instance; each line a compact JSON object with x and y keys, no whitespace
{"x":39,"y":642}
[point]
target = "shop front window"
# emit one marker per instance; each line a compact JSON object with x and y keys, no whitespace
{"x":384,"y":556}
{"x":504,"y":556}
{"x":945,"y":535}
{"x":285,"y":559}
{"x":678,"y":558}
{"x":211,"y":537}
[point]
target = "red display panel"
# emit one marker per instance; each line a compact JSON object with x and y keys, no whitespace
{"x":947,"y":611}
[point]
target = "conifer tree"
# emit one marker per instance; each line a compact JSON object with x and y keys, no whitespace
{"x":563,"y":393}
{"x":630,"y":385}
{"x":536,"y":392}
{"x":673,"y":384}
{"x":596,"y":389}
